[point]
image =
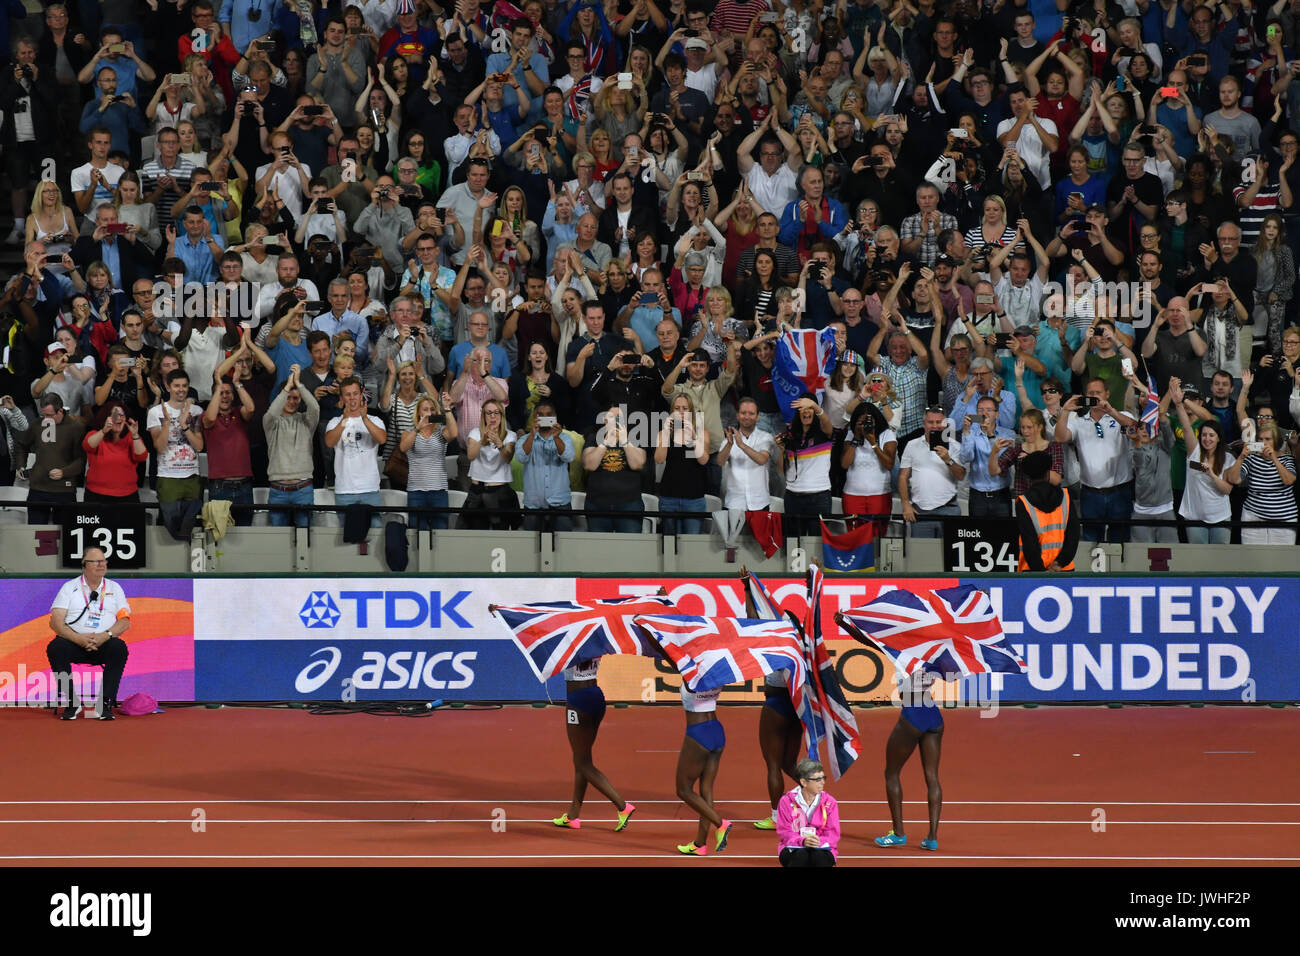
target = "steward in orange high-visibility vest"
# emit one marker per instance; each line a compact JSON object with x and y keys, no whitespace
{"x":1048,"y":518}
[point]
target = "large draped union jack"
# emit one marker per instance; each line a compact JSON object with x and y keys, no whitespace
{"x":561,"y":634}
{"x":954,"y":631}
{"x":713,"y":652}
{"x":758,"y":600}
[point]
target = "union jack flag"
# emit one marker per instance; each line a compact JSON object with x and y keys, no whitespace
{"x":1151,"y":410}
{"x":953,"y":631}
{"x":826,"y":714}
{"x":562,"y":634}
{"x":759,"y":602}
{"x":804,"y":361}
{"x":579,"y":94}
{"x":713,"y":652}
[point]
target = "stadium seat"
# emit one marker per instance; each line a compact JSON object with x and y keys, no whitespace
{"x":393,"y":501}
{"x":323,"y":519}
{"x":777,"y":505}
{"x":261,"y":496}
{"x":203,"y":464}
{"x":837,"y":506}
{"x":712,"y":504}
{"x":13,"y":505}
{"x":578,"y":501}
{"x":650,"y":503}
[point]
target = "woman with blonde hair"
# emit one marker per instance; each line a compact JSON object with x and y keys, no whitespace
{"x":51,"y":222}
{"x":618,"y":112}
{"x":191,"y":150}
{"x":993,"y":230}
{"x":601,"y":148}
{"x":683,"y":449}
{"x":399,"y":398}
{"x":717,"y":326}
{"x":425,"y":441}
{"x":1033,"y":438}
{"x":491,"y":503}
{"x":1269,"y":476}
{"x":513,"y":211}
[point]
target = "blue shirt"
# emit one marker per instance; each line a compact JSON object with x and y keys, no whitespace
{"x":197,"y":256}
{"x":498,"y":62}
{"x":244,"y":30}
{"x":285,"y":354}
{"x":829,"y":226}
{"x":461,"y":350}
{"x":111,"y":256}
{"x":645,"y":319}
{"x":349,"y":321}
{"x":975,"y":449}
{"x":546,"y":471}
{"x":1006,"y":409}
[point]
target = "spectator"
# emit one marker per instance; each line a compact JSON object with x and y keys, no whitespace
{"x":1033,"y":439}
{"x":813,"y":218}
{"x":177,"y":433}
{"x":1269,"y":475}
{"x":806,"y":447}
{"x":870,"y":451}
{"x":403,"y":389}
{"x":490,"y":447}
{"x":1176,"y":344}
{"x":290,"y":426}
{"x":425,"y":444}
{"x":59,"y":462}
{"x":905,"y":362}
{"x":357,"y":438}
{"x":682,"y":448}
{"x":983,"y":442}
{"x":113,"y":456}
{"x":479,"y":327}
{"x":225,"y":436}
{"x":61,"y":378}
{"x":546,"y":453}
{"x":984,"y":384}
{"x":1105,"y":465}
{"x":1153,"y":495}
{"x":613,"y":484}
{"x":927,"y":480}
{"x":808,"y":820}
{"x":1101,"y":356}
{"x":534,"y":382}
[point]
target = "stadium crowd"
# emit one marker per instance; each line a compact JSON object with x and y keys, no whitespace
{"x":560,"y":243}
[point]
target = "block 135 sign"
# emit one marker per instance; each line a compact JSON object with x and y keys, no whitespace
{"x":119,"y":531}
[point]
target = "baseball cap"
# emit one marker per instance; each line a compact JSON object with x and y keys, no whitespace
{"x":943,"y":259}
{"x":695,"y":43}
{"x":55,"y":347}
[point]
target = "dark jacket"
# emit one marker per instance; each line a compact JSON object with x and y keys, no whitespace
{"x":137,"y":262}
{"x":40,"y":105}
{"x":643,"y":218}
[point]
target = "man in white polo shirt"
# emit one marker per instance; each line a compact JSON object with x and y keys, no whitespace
{"x":1105,"y":461}
{"x":928,"y":476}
{"x":89,"y":615}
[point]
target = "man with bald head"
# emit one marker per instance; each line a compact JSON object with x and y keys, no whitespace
{"x":1176,"y":346}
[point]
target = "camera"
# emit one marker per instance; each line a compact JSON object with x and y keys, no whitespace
{"x":384,"y":191}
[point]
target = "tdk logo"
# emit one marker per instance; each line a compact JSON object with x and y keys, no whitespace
{"x":392,"y":610}
{"x":407,"y":670}
{"x":319,"y":610}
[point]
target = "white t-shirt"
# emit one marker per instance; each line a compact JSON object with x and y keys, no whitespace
{"x":356,"y":457}
{"x":1202,"y":501}
{"x":865,"y":476}
{"x":746,"y":480}
{"x":287,"y":186}
{"x":180,"y":460}
{"x":86,"y":616}
{"x":103,"y":194}
{"x":930,"y":484}
{"x":1030,"y":147}
{"x":773,"y":192}
{"x":705,"y":80}
{"x":490,"y":466}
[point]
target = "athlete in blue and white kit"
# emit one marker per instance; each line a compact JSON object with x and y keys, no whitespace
{"x":780,"y":735}
{"x":583,"y":712}
{"x":699,"y":760}
{"x":919,"y":723}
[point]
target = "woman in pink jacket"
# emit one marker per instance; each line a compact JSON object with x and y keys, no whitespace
{"x":808,"y":820}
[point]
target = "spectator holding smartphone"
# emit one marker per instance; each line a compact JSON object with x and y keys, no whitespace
{"x":1096,"y":430}
{"x":1208,"y":462}
{"x":1268,"y":471}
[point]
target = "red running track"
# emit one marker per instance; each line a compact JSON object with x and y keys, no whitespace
{"x":1173,"y":786}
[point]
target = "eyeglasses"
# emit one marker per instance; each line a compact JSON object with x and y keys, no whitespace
{"x":1264,"y":418}
{"x":1051,"y":391}
{"x":821,"y":778}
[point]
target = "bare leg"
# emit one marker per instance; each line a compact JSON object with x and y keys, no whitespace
{"x":898,"y":748}
{"x":774,"y":742}
{"x":690,"y":767}
{"x":931,"y":743}
{"x":582,"y":736}
{"x":706,"y":791}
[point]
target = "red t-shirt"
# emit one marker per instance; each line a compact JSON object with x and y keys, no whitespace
{"x":226,"y":442}
{"x":1064,"y":112}
{"x":111,"y":466}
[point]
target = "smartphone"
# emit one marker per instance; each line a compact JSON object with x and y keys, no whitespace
{"x":1198,"y":59}
{"x":272,"y":248}
{"x":210,"y":186}
{"x":983,"y":299}
{"x":958,"y":133}
{"x":1078,"y":196}
{"x":315,"y":306}
{"x":1120,"y":84}
{"x":1255,"y":446}
{"x":179,"y":79}
{"x":325,"y":205}
{"x":125,"y":361}
{"x":625,"y":81}
{"x":631,"y":361}
{"x":547,"y":421}
{"x":935,"y":439}
{"x":1169,"y":92}
{"x":266,"y":45}
{"x":769,"y":17}
{"x":1126,"y":366}
{"x":649,"y":298}
{"x":1087,"y":401}
{"x":1002,"y":340}
{"x":313,"y":111}
{"x":690,"y":33}
{"x":117,"y":228}
{"x":117,"y":48}
{"x":695,"y":176}
{"x":816,"y":269}
{"x":284,"y":150}
{"x":1148,"y":129}
{"x":1196,"y":466}
{"x":1272,"y":31}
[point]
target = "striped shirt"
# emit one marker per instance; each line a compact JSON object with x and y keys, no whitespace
{"x":152,"y":171}
{"x":428,"y":471}
{"x":1266,"y":497}
{"x":1251,"y":219}
{"x":808,"y":469}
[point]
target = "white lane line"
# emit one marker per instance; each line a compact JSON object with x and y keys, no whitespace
{"x":641,"y":820}
{"x":885,"y":857}
{"x":195,"y":801}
